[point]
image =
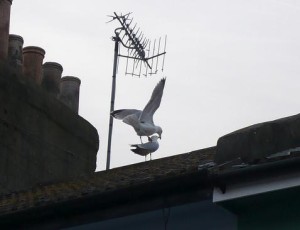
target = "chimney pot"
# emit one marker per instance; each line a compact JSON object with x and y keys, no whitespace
{"x":33,"y":57}
{"x":5,"y":6}
{"x":15,"y":53}
{"x":51,"y":77}
{"x":69,"y":92}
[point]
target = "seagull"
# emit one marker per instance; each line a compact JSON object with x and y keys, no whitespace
{"x":142,"y":121}
{"x":147,"y":148}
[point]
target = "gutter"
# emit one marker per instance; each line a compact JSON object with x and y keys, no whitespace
{"x":246,"y":173}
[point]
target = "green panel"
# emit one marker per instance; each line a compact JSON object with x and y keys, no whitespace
{"x":272,"y":210}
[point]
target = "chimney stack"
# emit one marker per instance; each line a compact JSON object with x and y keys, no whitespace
{"x":69,"y":92}
{"x":51,"y":77}
{"x":15,"y":51}
{"x":5,"y":6}
{"x":33,"y":57}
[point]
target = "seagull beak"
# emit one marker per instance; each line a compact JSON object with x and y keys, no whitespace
{"x":159,"y":137}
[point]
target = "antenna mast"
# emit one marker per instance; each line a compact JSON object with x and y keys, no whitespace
{"x":142,"y":59}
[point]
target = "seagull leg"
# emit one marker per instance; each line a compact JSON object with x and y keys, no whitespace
{"x":141,"y":140}
{"x":150,"y":157}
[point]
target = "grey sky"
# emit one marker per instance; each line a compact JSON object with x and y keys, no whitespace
{"x":229,"y":64}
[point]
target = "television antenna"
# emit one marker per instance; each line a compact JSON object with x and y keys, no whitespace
{"x":142,"y":58}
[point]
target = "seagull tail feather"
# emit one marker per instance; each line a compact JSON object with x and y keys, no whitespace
{"x":116,"y":113}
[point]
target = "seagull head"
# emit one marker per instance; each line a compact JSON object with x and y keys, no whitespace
{"x":154,"y":138}
{"x":159,"y":131}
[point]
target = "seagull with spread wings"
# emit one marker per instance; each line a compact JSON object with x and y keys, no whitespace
{"x":142,"y":121}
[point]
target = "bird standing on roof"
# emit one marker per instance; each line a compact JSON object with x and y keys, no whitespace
{"x":142,"y":121}
{"x":147,"y":148}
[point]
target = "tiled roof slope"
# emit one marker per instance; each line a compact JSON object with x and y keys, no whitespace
{"x":105,"y":182}
{"x":136,"y":188}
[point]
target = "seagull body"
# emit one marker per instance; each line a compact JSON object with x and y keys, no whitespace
{"x":142,"y":120}
{"x":146,"y":148}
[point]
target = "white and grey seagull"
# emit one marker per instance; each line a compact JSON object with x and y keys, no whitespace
{"x":146,"y":148}
{"x":142,"y":121}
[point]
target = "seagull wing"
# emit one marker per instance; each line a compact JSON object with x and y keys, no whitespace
{"x":144,"y":149}
{"x":133,"y":120}
{"x":154,"y":103}
{"x":122,"y":113}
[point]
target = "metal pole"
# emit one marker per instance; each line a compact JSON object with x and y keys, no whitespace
{"x":112,"y":101}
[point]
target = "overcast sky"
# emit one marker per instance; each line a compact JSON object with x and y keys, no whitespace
{"x":229,"y":64}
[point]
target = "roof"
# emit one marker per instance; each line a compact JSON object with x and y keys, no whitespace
{"x":107,"y":188}
{"x":139,"y":187}
{"x":259,"y":141}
